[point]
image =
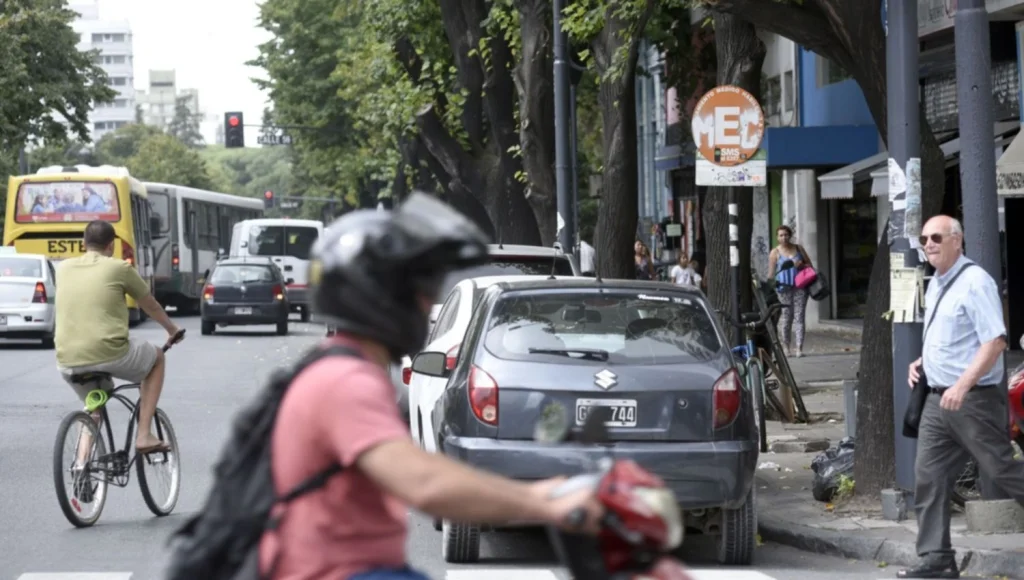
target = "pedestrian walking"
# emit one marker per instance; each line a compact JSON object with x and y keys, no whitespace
{"x":642,"y":261}
{"x":964,"y":414}
{"x":784,"y":262}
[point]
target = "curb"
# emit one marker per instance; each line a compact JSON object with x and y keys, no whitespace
{"x":875,"y":549}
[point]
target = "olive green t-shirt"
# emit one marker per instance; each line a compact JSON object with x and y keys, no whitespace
{"x":92,"y":317}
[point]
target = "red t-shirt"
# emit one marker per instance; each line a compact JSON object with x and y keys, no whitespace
{"x":334,"y":411}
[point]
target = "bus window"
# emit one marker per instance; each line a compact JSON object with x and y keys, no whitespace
{"x":66,"y":201}
{"x":161,"y":205}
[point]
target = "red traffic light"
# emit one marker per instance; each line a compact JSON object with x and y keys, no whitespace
{"x":269,"y":195}
{"x":233,"y":121}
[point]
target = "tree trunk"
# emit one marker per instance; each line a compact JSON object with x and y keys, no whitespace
{"x":534,"y":84}
{"x":850,"y":33}
{"x":616,"y":97}
{"x":740,"y":55}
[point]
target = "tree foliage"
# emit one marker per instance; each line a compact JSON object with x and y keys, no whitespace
{"x":49,"y":86}
{"x":184,"y":125}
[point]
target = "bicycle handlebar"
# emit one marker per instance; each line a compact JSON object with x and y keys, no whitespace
{"x":759,"y":322}
{"x":178,"y":337}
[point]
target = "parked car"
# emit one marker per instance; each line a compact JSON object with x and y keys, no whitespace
{"x":649,"y":356}
{"x":446,"y":336}
{"x":27,"y":289}
{"x":506,"y":260}
{"x":243,"y":292}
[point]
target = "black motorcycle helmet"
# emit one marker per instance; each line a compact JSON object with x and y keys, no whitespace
{"x":370,"y":269}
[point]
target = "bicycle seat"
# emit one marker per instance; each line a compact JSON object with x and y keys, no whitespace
{"x":748,"y":317}
{"x":86,"y":378}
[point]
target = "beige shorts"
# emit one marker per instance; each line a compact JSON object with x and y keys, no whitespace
{"x":133,"y":367}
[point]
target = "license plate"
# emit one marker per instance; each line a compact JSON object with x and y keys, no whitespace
{"x":618,"y":412}
{"x":243,"y":310}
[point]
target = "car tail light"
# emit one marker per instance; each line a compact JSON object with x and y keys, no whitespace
{"x":452,"y":357}
{"x":39,"y":297}
{"x":175,"y":258}
{"x":208,"y":293}
{"x":406,"y":374}
{"x":483,"y":395}
{"x":278,"y":291}
{"x":127,"y":254}
{"x":727,"y":398}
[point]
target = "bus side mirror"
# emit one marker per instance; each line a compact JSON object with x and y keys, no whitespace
{"x":155,"y":223}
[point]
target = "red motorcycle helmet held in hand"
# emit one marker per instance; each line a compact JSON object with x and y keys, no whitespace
{"x":642,"y":524}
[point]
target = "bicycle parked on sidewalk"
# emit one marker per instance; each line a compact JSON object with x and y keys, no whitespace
{"x":89,"y":472}
{"x":752,"y":367}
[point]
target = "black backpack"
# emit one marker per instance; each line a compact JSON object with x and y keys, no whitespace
{"x":222,"y":541}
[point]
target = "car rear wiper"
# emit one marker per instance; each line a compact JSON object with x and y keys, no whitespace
{"x":589,"y":353}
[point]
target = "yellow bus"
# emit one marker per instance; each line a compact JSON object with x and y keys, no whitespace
{"x":47,"y":213}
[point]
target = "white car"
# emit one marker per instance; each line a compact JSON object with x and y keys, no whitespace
{"x":508,"y":260}
{"x":446,"y":336}
{"x":27,"y":290}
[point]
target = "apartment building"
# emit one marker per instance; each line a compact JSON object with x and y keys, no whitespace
{"x":160,"y":100}
{"x":113,"y":39}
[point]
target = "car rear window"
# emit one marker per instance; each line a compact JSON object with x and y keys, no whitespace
{"x":242,"y":274}
{"x":293,"y":241}
{"x":511,"y":266}
{"x":27,"y":267}
{"x":613,"y":327}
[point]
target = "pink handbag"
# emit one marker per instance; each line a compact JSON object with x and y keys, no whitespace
{"x":805,"y":277}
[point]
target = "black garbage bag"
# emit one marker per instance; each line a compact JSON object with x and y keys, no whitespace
{"x":828,"y":466}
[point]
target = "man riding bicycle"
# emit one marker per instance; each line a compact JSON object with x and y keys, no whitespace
{"x":92,"y":326}
{"x":375,"y":277}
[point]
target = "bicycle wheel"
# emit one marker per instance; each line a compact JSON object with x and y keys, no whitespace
{"x":756,"y":377}
{"x":160,"y":473}
{"x":81,"y":484}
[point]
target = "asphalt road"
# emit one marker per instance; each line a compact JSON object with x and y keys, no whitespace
{"x":209,"y":379}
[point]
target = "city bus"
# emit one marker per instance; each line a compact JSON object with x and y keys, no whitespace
{"x":191,"y":228}
{"x":47,"y":213}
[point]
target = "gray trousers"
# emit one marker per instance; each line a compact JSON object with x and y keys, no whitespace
{"x":946,"y":440}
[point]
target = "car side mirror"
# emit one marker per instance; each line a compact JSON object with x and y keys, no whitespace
{"x":431,"y":364}
{"x":290,"y":281}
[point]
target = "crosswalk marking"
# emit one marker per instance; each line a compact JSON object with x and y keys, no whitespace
{"x":76,"y":576}
{"x":502,"y":574}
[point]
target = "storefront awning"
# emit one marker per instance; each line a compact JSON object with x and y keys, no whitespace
{"x":839,"y":184}
{"x":1010,"y":169}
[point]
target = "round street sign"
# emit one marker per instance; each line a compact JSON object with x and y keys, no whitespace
{"x":727,"y":126}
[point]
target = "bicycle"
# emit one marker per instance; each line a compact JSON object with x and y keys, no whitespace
{"x":753,"y":367}
{"x":89,"y":481}
{"x":777,"y":371}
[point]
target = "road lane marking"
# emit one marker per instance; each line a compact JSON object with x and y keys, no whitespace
{"x":76,"y":576}
{"x":501,"y":574}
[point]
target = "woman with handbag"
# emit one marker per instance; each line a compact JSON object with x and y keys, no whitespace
{"x":790,"y":266}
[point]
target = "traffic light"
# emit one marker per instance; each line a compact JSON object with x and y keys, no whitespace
{"x":234,"y":130}
{"x":268,"y":199}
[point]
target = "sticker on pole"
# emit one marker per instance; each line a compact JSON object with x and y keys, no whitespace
{"x":728,"y":128}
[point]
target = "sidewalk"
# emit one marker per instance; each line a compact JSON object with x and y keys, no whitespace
{"x":789,"y":514}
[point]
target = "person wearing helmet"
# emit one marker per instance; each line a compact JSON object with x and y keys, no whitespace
{"x":375,"y":275}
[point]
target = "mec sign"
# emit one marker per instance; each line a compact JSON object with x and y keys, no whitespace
{"x":728,"y":126}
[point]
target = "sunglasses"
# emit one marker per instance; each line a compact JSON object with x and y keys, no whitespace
{"x":937,"y":238}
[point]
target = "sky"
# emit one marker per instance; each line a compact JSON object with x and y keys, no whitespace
{"x":206,"y":42}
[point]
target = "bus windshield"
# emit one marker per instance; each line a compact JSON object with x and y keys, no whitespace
{"x":67,"y":201}
{"x":293,"y":241}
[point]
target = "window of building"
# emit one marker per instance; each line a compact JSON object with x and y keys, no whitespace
{"x":788,"y":92}
{"x":771,"y":95}
{"x":829,"y":72}
{"x":118,"y":81}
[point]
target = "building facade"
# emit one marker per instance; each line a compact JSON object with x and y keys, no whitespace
{"x":113,"y":39}
{"x":159,"y":102}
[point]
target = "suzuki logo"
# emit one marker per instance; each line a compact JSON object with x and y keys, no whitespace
{"x":605,"y":379}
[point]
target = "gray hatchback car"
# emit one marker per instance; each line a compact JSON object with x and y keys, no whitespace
{"x":649,"y":356}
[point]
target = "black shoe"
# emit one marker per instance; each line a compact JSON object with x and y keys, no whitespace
{"x":947,"y":569}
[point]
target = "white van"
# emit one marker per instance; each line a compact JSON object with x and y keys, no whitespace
{"x":288,"y":243}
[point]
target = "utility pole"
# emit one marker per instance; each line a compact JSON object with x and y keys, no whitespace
{"x":904,"y":138}
{"x":734,"y":259}
{"x":977,"y":153}
{"x":566,"y":228}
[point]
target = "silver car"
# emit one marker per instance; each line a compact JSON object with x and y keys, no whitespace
{"x":27,"y":289}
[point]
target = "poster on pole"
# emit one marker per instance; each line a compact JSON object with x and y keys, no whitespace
{"x":728,"y":128}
